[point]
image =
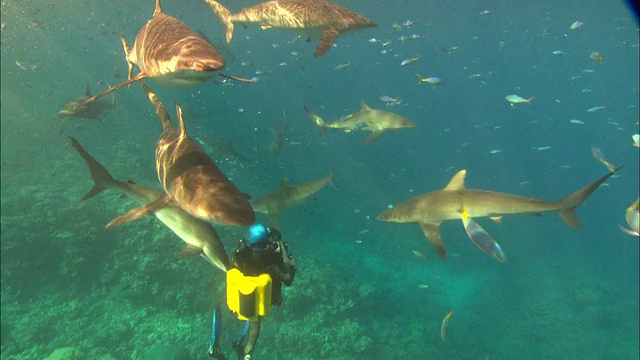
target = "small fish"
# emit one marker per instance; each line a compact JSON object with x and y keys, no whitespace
{"x":542,"y":148}
{"x":410,"y":22}
{"x":633,"y":219}
{"x":410,"y":61}
{"x":596,"y":56}
{"x":374,"y":40}
{"x":597,"y":153}
{"x":432,"y":80}
{"x":576,"y":121}
{"x":595,"y":108}
{"x":515,"y":99}
{"x":419,"y":254}
{"x":576,"y":25}
{"x":423,"y":286}
{"x":342,"y":66}
{"x":444,"y":327}
{"x":495,"y":151}
{"x":482,"y":238}
{"x":636,"y":140}
{"x":484,"y":12}
{"x":389,"y":99}
{"x":558,"y":52}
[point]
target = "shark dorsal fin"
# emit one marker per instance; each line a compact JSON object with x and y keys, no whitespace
{"x":87,"y":91}
{"x":457,"y":182}
{"x":364,"y":106}
{"x":284,"y":184}
{"x":183,"y":132}
{"x":158,"y":9}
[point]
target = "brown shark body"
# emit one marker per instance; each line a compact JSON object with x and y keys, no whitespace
{"x":287,"y":197}
{"x":171,"y":53}
{"x":199,"y":236}
{"x":313,"y":16}
{"x":429,"y":210}
{"x":89,"y":111}
{"x":191,"y":179}
{"x":367,"y":119}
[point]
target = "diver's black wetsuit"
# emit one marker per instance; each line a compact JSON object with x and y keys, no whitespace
{"x":265,"y":259}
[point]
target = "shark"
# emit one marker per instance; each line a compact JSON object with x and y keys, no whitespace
{"x":316,"y":18}
{"x":169,"y":52}
{"x":89,"y":111}
{"x":367,"y":119}
{"x":190,"y":178}
{"x":198,"y":235}
{"x":287,"y":197}
{"x":455,"y":200}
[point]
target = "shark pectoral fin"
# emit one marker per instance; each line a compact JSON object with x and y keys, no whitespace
{"x":137,"y":213}
{"x":328,"y":38}
{"x":374,"y":135}
{"x":482,"y":239}
{"x":273,"y":220}
{"x":189,"y":250}
{"x":237,"y":78}
{"x":140,"y":76}
{"x":126,"y":48}
{"x":569,"y":217}
{"x":431,"y":231}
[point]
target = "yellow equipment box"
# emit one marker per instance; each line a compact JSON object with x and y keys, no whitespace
{"x":248,"y":296}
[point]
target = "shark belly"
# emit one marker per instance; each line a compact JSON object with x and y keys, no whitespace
{"x":184,"y":78}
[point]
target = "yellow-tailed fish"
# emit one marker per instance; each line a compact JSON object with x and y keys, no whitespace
{"x":444,"y":327}
{"x":432,"y":80}
{"x":481,"y":238}
{"x":410,"y":61}
{"x":633,"y":220}
{"x":576,"y":25}
{"x":516,"y":99}
{"x":636,"y":140}
{"x":596,"y":56}
{"x":597,"y":153}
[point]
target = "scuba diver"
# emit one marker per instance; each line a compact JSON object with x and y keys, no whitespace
{"x":262,"y":264}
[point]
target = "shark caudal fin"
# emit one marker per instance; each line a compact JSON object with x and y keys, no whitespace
{"x":316,"y":120}
{"x":569,"y":204}
{"x":224,"y":15}
{"x":101,"y":177}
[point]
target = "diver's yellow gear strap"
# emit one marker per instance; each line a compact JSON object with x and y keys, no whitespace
{"x":248,"y":296}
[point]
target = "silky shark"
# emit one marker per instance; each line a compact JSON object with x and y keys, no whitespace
{"x":199,"y":236}
{"x":367,"y":119}
{"x":455,"y":200}
{"x":88,"y":111}
{"x":315,"y":17}
{"x":287,"y":197}
{"x":190,"y":178}
{"x":171,"y":53}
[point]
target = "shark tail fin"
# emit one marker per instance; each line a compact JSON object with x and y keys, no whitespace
{"x":569,"y":204}
{"x":224,"y":15}
{"x":316,"y":120}
{"x":101,"y":177}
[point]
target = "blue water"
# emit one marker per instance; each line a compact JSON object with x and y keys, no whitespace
{"x":115,"y":294}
